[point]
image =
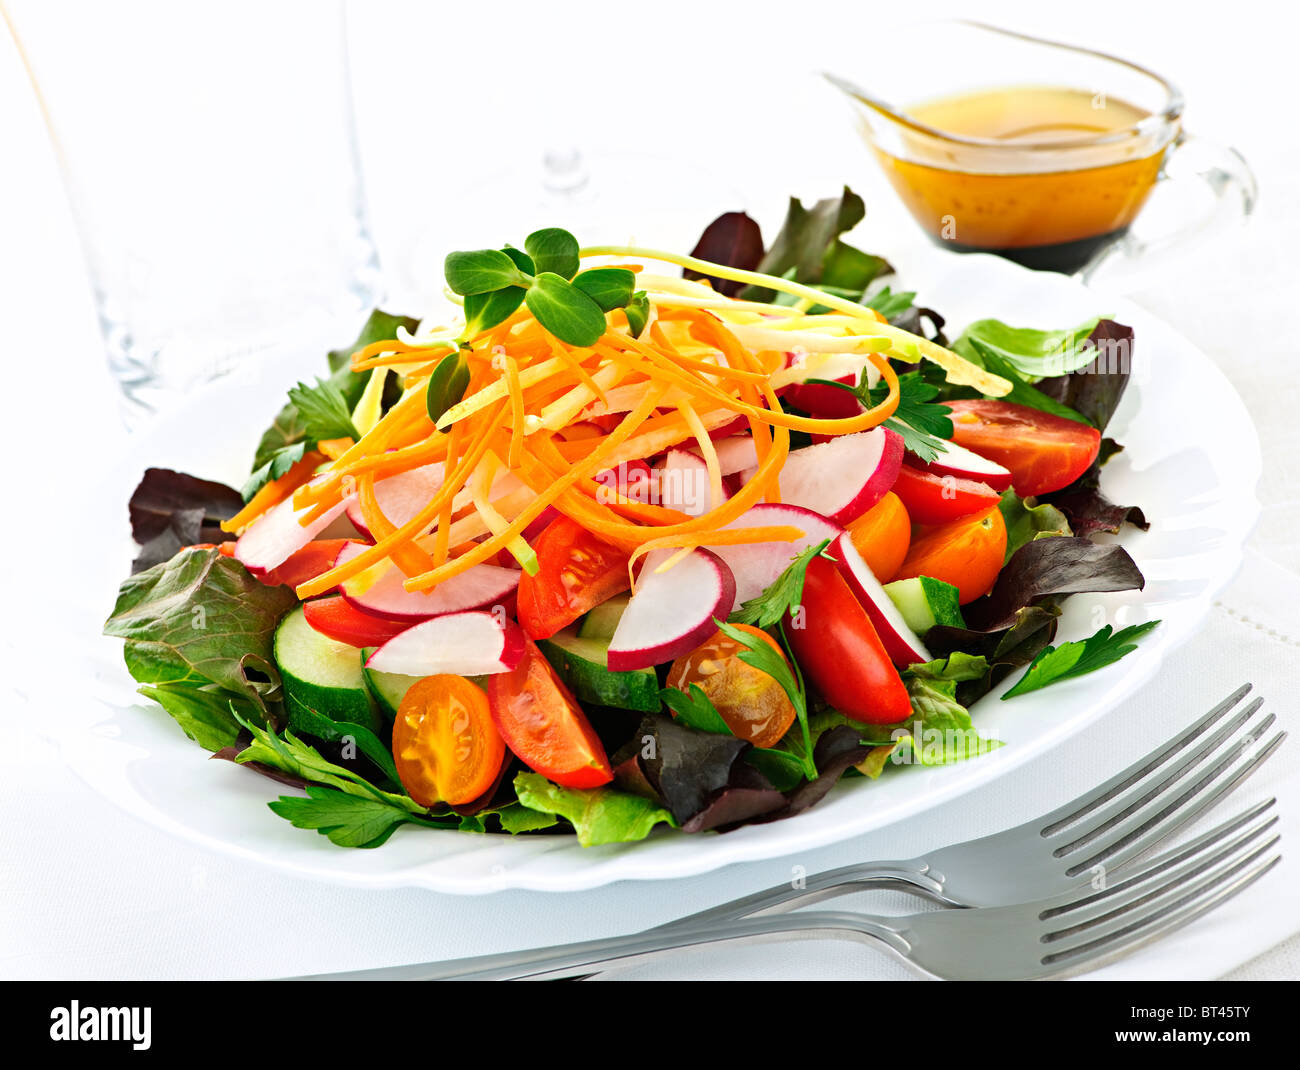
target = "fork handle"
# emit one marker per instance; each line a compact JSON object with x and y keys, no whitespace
{"x":569,"y":960}
{"x":915,"y":875}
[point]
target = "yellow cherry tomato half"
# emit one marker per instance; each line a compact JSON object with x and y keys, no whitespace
{"x":753,"y":704}
{"x":444,"y":742}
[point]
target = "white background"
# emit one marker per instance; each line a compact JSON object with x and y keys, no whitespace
{"x":448,"y":95}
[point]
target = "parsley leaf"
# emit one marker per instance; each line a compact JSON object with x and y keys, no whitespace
{"x":925,"y":426}
{"x":324,"y":411}
{"x":764,"y":610}
{"x":1077,"y":658}
{"x":348,"y":820}
{"x":695,"y":709}
{"x":766,"y":660}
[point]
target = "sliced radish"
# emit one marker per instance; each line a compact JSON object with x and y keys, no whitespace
{"x":828,"y":402}
{"x":475,"y":588}
{"x":683,"y":483}
{"x":757,"y":565}
{"x":730,"y":428}
{"x":901,"y":643}
{"x":736,"y":454}
{"x":672,"y":612}
{"x":277,"y":535}
{"x":401,"y":496}
{"x":958,"y":461}
{"x":464,"y":644}
{"x":845,"y":477}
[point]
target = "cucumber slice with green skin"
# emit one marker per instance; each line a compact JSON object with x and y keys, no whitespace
{"x":321,"y":675}
{"x":581,"y":663}
{"x":386,"y":688}
{"x":600,"y":623}
{"x":924,"y":602}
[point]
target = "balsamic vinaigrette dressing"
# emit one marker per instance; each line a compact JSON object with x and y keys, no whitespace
{"x":1048,"y":212}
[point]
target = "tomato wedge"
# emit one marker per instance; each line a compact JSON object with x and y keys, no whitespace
{"x":444,"y":742}
{"x":839,"y":651}
{"x":934,"y":499}
{"x":308,"y":563}
{"x":575,"y":572}
{"x":541,"y":721}
{"x":967,"y":553}
{"x":882,"y":535}
{"x":333,"y":617}
{"x":752,"y":703}
{"x":1043,"y":452}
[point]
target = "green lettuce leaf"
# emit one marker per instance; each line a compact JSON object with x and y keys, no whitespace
{"x":1021,"y":392}
{"x":598,"y":815}
{"x":201,"y":621}
{"x":1033,"y":353}
{"x":1026,"y":522}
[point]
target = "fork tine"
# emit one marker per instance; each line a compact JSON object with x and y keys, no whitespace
{"x":1128,"y":804}
{"x":1145,"y":828}
{"x":1139,"y":770}
{"x":1176,"y":906}
{"x":1124,"y":806}
{"x":1175,"y":867}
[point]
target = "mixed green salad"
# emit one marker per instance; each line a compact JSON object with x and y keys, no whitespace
{"x":617,"y":550}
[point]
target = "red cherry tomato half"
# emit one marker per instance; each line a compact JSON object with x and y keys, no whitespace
{"x":575,"y":571}
{"x":1043,"y":452}
{"x":542,"y":723}
{"x":333,"y":617}
{"x":839,"y":651}
{"x":934,"y":499}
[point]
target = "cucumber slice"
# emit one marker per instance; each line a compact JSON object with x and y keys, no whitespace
{"x":321,"y":675}
{"x":924,"y":602}
{"x":581,"y":664}
{"x":386,"y":688}
{"x":600,"y":623}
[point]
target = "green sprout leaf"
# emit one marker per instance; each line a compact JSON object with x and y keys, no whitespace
{"x":564,"y":310}
{"x":485,"y":311}
{"x":553,"y":250}
{"x":447,"y":384}
{"x":638,"y":312}
{"x":481,"y":271}
{"x":610,"y":288}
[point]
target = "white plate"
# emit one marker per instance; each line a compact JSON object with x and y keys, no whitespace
{"x":1192,"y":463}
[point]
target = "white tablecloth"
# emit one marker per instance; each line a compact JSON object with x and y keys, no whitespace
{"x":88,"y":892}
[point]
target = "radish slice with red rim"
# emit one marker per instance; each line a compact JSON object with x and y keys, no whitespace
{"x":843,"y":478}
{"x":902,"y":644}
{"x":277,"y":535}
{"x":672,"y":612}
{"x":475,"y":588}
{"x":464,"y":644}
{"x":757,"y":565}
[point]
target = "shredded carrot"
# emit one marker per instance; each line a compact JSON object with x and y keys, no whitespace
{"x":516,"y":411}
{"x":334,"y":448}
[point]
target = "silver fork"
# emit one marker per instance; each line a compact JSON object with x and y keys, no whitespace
{"x":1095,"y":834}
{"x":1065,"y":934}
